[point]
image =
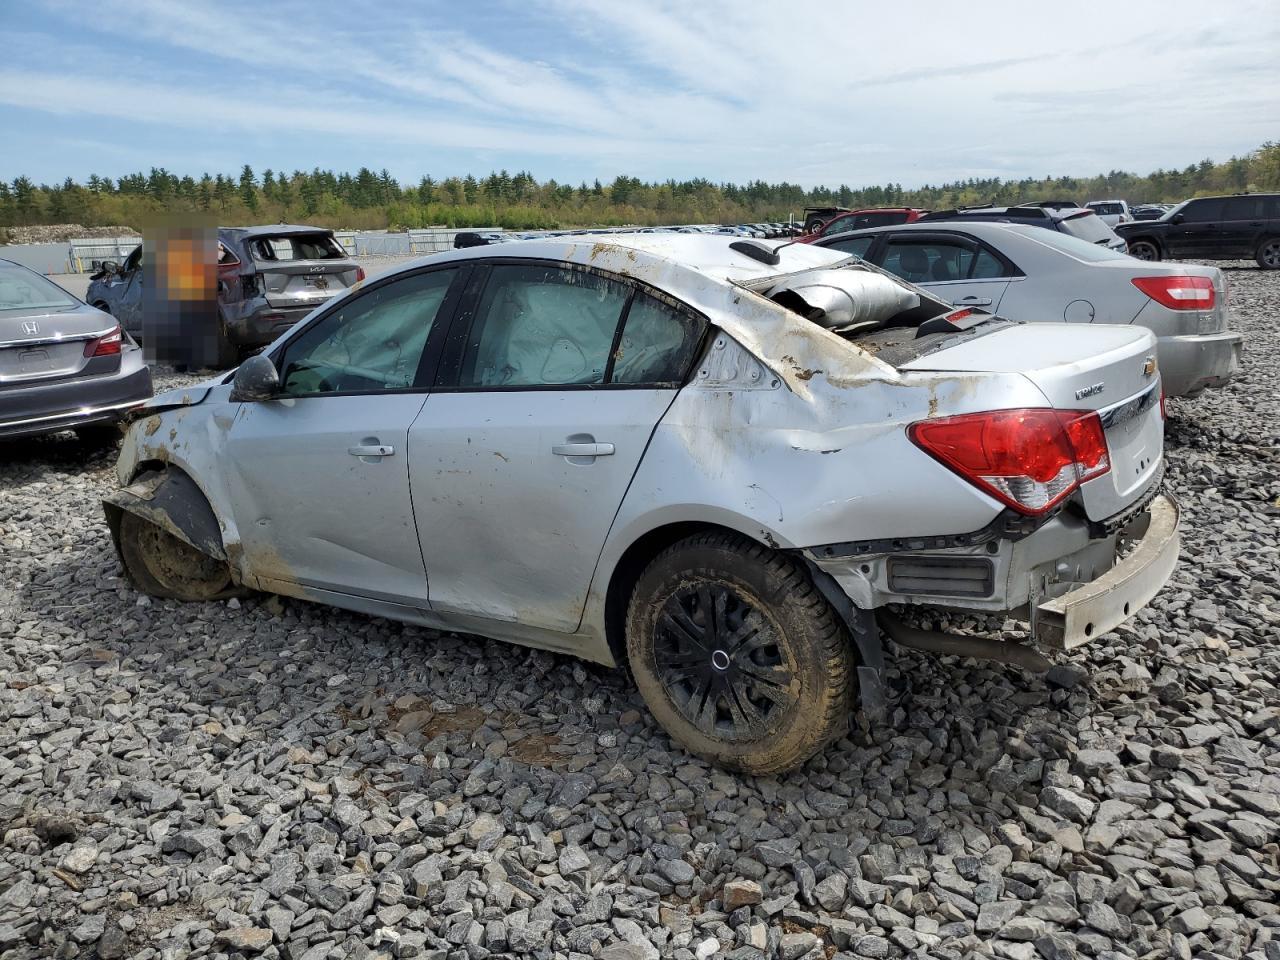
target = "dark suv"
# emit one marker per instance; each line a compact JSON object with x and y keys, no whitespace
{"x":1079,"y":222}
{"x":1212,"y":228}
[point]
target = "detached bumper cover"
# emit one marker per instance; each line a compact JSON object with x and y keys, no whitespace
{"x":1077,"y":617}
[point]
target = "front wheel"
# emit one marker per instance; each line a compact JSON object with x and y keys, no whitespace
{"x":1268,"y":255}
{"x":1144,"y":250}
{"x":164,"y":566}
{"x":738,"y":655}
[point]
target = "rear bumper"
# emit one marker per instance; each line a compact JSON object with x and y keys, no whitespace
{"x":1080,"y":615}
{"x":1192,"y":363}
{"x":258,"y":323}
{"x":46,"y":408}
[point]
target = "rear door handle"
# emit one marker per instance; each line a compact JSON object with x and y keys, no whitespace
{"x":371,"y":450}
{"x":976,"y":302}
{"x":583,"y":449}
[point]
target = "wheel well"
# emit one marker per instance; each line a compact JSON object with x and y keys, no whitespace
{"x":627,"y":573}
{"x":1144,"y":238}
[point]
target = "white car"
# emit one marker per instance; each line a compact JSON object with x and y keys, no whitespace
{"x":1027,"y":273}
{"x":1111,"y":212}
{"x":712,"y":460}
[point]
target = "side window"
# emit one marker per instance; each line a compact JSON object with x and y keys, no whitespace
{"x":1202,"y":211}
{"x":657,"y":344}
{"x":374,"y":341}
{"x":928,"y":261}
{"x":541,"y":326}
{"x":856,"y":246}
{"x":1244,"y":208}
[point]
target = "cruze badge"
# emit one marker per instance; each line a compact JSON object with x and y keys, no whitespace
{"x":1149,"y":366}
{"x":1090,"y":391}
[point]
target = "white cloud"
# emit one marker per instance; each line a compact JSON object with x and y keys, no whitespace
{"x":806,"y":91}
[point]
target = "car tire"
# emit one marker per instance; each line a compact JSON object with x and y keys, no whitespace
{"x":1268,"y":254}
{"x":164,"y":566}
{"x":738,"y":655}
{"x":1144,"y":250}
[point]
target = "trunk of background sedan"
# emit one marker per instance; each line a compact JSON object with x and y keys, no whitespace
{"x":1111,"y":370}
{"x":55,"y":350}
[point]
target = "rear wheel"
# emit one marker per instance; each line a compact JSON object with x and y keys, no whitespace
{"x":738,"y":655}
{"x":1268,"y":255}
{"x":164,"y":566}
{"x":1144,"y":250}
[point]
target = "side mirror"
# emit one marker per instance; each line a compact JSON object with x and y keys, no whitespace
{"x":1177,"y":218}
{"x":256,"y":379}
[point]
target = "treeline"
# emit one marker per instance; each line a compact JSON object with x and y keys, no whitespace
{"x":375,"y":200}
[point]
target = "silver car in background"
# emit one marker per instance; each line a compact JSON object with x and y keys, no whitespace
{"x":64,"y":365}
{"x":716,"y":461}
{"x":1025,"y":273}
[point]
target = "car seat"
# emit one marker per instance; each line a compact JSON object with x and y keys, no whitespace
{"x":914,"y":264}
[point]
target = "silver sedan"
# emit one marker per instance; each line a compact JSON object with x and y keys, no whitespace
{"x":708,"y":458}
{"x":1025,"y":273}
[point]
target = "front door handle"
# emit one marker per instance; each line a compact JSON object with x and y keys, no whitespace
{"x":583,"y":449}
{"x":976,"y":302}
{"x":371,"y":450}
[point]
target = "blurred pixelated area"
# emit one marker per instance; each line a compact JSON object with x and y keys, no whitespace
{"x":180,"y":305}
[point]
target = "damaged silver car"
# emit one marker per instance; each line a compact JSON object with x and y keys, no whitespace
{"x":715,"y":461}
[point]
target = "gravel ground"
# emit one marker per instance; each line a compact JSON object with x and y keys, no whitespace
{"x":279,"y":779}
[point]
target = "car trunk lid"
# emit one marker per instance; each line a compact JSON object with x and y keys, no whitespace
{"x":39,"y":345}
{"x":1108,"y":369}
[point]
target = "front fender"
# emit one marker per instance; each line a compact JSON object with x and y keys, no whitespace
{"x":171,"y":500}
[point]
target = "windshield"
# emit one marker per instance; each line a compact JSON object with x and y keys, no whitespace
{"x":1176,"y":209}
{"x":1088,"y":227}
{"x":1074,"y":246}
{"x":1106,"y":209}
{"x":21,"y":289}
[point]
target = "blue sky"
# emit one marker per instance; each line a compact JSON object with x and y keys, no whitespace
{"x":913,"y":92}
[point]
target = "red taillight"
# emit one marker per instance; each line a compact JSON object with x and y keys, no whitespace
{"x":955,"y":316}
{"x":1029,"y":459}
{"x":1164,"y":415}
{"x":359,"y":274}
{"x":1178,"y":293}
{"x":105,"y":346}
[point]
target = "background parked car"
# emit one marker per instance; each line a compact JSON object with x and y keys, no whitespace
{"x":1151,"y":211}
{"x":1074,"y":221}
{"x":1212,"y":228}
{"x":860,"y":219}
{"x":1024,"y":273}
{"x":269,"y":278}
{"x":1111,"y":212}
{"x":63,"y":364}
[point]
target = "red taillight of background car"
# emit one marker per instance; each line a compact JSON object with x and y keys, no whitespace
{"x":105,"y":346}
{"x":1178,"y":293}
{"x":1030,"y":459}
{"x":359,"y":274}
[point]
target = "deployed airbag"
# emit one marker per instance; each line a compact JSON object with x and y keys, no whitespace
{"x":843,"y":299}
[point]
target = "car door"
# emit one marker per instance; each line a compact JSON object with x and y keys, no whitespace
{"x":1242,"y":225}
{"x":555,"y":379}
{"x":319,"y":476}
{"x":952,"y":266}
{"x":126,"y":303}
{"x":1199,"y":231}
